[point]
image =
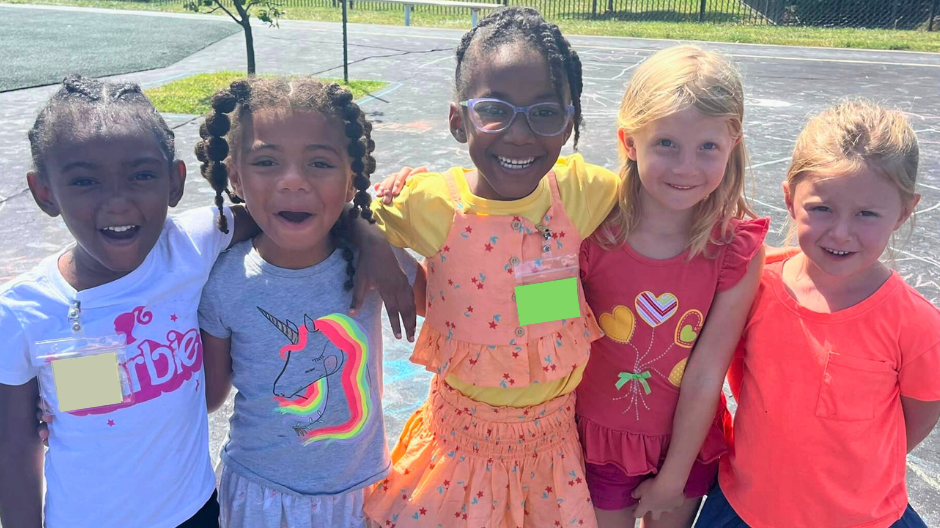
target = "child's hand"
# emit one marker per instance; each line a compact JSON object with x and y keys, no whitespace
{"x":658,"y":496}
{"x":44,"y":420}
{"x":391,"y":187}
{"x":379,"y":269}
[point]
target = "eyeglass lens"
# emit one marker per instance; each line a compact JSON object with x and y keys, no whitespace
{"x":544,"y":118}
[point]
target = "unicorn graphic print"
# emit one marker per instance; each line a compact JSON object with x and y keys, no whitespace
{"x":318,"y":372}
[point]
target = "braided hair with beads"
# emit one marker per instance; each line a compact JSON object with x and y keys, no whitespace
{"x":232,"y":105}
{"x":524,"y":24}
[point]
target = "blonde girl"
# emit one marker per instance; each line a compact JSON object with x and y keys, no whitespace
{"x":681,"y":247}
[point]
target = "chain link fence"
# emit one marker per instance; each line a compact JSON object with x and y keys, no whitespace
{"x":881,"y":14}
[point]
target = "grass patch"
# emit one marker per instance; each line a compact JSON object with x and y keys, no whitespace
{"x":191,"y":95}
{"x":618,"y":25}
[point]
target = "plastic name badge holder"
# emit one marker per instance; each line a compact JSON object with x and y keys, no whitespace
{"x":547,"y":289}
{"x":82,"y":373}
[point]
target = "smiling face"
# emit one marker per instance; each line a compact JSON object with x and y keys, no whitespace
{"x":681,"y":158}
{"x":510,"y":163}
{"x":293,"y":171}
{"x":113,"y":191}
{"x":844,"y":222}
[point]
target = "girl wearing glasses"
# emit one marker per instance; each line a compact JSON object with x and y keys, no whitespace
{"x":681,"y":236}
{"x":495,"y":444}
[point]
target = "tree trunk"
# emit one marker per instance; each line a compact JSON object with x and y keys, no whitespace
{"x":249,"y":46}
{"x":249,"y":39}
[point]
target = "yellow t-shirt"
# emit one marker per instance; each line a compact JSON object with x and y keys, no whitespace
{"x":421,"y":216}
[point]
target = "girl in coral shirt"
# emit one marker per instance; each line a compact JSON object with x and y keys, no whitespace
{"x":838,"y":376}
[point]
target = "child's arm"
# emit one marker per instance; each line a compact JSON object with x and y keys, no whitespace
{"x":217,"y":359}
{"x":421,"y":290}
{"x":700,"y":391}
{"x":21,"y":457}
{"x":378,"y":268}
{"x":776,"y":254}
{"x":920,"y":417}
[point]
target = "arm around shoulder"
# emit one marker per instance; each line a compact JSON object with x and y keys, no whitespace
{"x":590,"y":192}
{"x":217,"y":359}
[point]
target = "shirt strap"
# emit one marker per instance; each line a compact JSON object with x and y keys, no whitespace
{"x":449,"y":177}
{"x":553,"y":185}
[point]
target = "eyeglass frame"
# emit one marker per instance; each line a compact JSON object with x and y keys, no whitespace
{"x":470,"y":103}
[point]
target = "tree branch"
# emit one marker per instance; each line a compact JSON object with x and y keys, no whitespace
{"x":227,"y":12}
{"x":241,"y":10}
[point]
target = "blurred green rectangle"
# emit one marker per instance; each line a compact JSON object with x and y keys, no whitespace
{"x":548,"y":301}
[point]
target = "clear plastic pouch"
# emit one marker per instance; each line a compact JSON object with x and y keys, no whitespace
{"x":82,"y":373}
{"x":547,"y":289}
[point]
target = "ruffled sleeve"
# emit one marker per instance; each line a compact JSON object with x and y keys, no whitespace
{"x":747,"y":240}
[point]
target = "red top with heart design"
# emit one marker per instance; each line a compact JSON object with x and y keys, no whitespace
{"x":651,"y":312}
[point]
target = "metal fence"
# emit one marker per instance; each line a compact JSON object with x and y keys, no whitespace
{"x":884,"y":14}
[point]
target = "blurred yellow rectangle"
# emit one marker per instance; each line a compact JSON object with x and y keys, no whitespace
{"x":87,"y":382}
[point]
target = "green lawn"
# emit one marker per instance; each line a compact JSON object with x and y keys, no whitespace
{"x":191,"y":95}
{"x":620,"y":25}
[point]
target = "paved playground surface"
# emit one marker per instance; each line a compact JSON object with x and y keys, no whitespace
{"x":40,"y":47}
{"x":784,"y":86}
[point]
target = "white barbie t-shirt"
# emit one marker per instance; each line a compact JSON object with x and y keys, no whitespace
{"x":144,"y":464}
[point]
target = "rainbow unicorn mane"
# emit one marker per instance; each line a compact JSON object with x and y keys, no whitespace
{"x":346,"y":334}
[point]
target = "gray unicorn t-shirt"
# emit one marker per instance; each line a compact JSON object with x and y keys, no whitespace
{"x":308,"y":412}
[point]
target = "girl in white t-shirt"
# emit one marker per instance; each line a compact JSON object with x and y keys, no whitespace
{"x":105,"y":160}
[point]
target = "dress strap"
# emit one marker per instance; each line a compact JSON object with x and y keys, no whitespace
{"x":452,"y":187}
{"x":553,"y":185}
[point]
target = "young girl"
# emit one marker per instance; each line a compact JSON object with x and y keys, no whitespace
{"x":495,"y":444}
{"x":824,"y":423}
{"x":307,"y":435}
{"x":676,"y":252}
{"x":104,"y":160}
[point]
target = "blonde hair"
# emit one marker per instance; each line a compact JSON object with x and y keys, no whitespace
{"x":671,"y":81}
{"x":854,"y":135}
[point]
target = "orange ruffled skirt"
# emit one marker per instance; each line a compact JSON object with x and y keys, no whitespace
{"x":462,"y":463}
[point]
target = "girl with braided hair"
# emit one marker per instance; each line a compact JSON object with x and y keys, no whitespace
{"x":495,"y":444}
{"x":307,"y":434}
{"x":105,"y":161}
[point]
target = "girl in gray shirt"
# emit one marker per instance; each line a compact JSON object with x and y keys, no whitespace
{"x":307,"y":435}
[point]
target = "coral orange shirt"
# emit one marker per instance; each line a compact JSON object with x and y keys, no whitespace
{"x":819,"y":437}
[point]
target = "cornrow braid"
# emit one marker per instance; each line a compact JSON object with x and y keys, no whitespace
{"x":514,"y":24}
{"x":222,"y":128}
{"x":83,"y":104}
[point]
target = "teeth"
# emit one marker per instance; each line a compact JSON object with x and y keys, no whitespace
{"x":837,"y":253}
{"x":119,"y":229}
{"x":680,"y":187}
{"x":510,"y":163}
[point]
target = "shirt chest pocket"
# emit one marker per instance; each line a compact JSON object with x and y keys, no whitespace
{"x":851,"y":387}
